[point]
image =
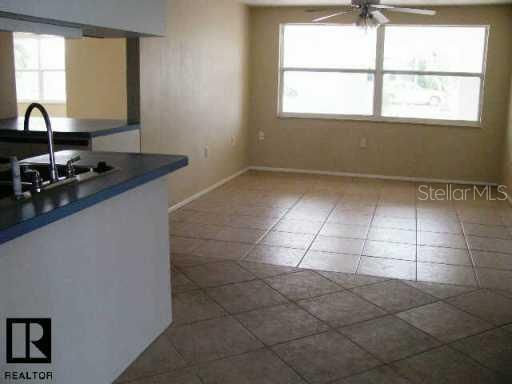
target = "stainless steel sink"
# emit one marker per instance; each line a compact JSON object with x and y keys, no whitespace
{"x":81,"y":174}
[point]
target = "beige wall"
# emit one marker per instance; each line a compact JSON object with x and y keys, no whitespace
{"x":507,"y":157}
{"x":393,"y":149}
{"x":7,"y":81}
{"x":96,"y":78}
{"x":54,"y":109}
{"x":194,"y":91}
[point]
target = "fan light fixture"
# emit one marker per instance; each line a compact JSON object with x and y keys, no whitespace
{"x":370,"y":13}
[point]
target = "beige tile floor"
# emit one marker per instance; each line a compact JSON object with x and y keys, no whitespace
{"x":360,"y":226}
{"x":304,"y":279}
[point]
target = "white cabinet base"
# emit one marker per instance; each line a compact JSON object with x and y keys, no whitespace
{"x":102,"y":275}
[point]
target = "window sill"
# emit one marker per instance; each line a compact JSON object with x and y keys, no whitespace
{"x":42,"y":102}
{"x":442,"y":123}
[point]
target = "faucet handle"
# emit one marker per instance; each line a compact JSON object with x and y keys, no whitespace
{"x":34,"y":178}
{"x":70,"y":170}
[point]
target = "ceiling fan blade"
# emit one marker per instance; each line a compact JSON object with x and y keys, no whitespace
{"x":331,"y":16}
{"x":379,"y":17}
{"x":416,"y":11}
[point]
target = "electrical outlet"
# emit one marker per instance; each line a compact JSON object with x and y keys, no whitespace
{"x":363,"y":143}
{"x":206,"y":152}
{"x":261,"y":136}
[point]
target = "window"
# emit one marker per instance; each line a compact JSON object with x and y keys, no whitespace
{"x":40,"y":68}
{"x":393,"y":73}
{"x":320,"y":78}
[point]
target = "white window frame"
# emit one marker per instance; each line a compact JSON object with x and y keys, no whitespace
{"x":40,"y":71}
{"x":379,"y":73}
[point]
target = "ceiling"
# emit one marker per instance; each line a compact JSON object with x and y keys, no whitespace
{"x":389,"y":2}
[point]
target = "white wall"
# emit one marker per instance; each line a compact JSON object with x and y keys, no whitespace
{"x":102,"y":275}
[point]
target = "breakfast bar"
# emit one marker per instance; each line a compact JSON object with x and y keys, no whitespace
{"x":83,"y":254}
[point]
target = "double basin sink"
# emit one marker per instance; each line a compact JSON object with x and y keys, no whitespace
{"x":80,"y":175}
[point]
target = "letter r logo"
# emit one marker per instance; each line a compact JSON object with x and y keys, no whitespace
{"x":29,"y":341}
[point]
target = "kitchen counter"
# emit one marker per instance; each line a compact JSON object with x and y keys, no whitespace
{"x":18,"y":218}
{"x":92,"y":257}
{"x":64,"y":128}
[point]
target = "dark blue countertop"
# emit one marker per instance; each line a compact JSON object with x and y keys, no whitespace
{"x":63,"y":128}
{"x":21,"y":217}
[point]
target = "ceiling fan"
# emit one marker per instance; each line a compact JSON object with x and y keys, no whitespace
{"x":370,"y":12}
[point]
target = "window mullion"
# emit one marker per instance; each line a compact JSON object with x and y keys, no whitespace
{"x":281,"y":71}
{"x":41,"y":82}
{"x":432,"y":73}
{"x":379,"y":65}
{"x":329,"y":70}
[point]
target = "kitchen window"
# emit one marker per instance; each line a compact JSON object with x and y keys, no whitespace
{"x":422,"y":74}
{"x":40,"y":68}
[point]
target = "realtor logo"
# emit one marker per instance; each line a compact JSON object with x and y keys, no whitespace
{"x":29,"y":341}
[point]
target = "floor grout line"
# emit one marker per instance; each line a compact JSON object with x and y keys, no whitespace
{"x":469,"y":250}
{"x":417,"y":229}
{"x":318,"y":233}
{"x":368,"y":234}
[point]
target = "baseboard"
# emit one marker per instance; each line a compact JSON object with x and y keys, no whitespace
{"x":205,"y":191}
{"x":369,"y":176}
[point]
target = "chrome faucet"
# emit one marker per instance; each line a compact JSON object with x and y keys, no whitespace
{"x":54,"y":175}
